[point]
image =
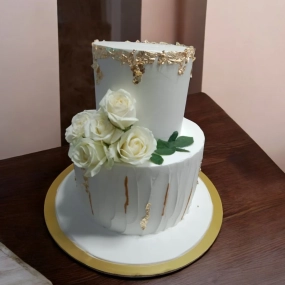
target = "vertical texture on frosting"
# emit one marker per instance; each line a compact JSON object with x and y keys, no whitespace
{"x":119,"y":221}
{"x":165,"y":199}
{"x":119,"y":196}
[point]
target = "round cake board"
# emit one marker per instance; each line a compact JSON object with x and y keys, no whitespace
{"x":127,"y":255}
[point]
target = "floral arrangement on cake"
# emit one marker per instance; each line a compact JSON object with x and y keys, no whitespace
{"x":110,"y":134}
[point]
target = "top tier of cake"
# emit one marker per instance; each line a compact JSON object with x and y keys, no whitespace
{"x":156,"y":75}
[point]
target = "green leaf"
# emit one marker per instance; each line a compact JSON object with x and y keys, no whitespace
{"x":126,"y":129}
{"x":162,"y":144}
{"x":183,"y":141}
{"x":181,"y":149}
{"x":173,"y":137}
{"x":157,"y":159}
{"x":165,"y":151}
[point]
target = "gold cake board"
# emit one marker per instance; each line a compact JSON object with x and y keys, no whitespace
{"x":124,"y":269}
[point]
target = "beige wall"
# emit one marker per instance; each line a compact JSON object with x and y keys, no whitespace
{"x":158,"y":20}
{"x":191,"y":29}
{"x":29,"y":77}
{"x":244,"y":68}
{"x":177,"y":21}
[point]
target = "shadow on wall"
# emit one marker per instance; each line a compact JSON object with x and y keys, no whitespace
{"x":79,"y":24}
{"x":191,"y":31}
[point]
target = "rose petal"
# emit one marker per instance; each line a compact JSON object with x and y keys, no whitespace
{"x":92,"y":170}
{"x":120,"y":108}
{"x":136,"y":145}
{"x":116,"y":135}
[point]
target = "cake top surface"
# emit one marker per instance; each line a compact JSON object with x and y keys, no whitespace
{"x":141,"y":46}
{"x":189,"y":128}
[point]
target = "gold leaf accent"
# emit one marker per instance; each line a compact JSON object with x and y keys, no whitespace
{"x":86,"y":185}
{"x":144,"y":221}
{"x":126,"y":194}
{"x":187,"y":204}
{"x":165,"y":199}
{"x":99,"y":75}
{"x":137,"y":60}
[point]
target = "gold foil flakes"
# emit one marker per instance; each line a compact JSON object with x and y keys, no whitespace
{"x":137,"y":60}
{"x":99,"y":74}
{"x":144,"y":221}
{"x":86,"y":185}
{"x":138,"y":70}
{"x":126,"y":194}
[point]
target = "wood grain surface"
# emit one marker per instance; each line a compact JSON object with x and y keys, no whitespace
{"x":250,"y":248}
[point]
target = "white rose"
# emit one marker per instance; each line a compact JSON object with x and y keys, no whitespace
{"x":120,"y":108}
{"x":80,"y":126}
{"x":90,"y":155}
{"x":135,"y":146}
{"x":102,"y":129}
{"x":110,"y":158}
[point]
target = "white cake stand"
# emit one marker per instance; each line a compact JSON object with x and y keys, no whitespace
{"x":126,"y":255}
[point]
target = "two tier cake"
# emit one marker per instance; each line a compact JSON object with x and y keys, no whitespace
{"x":136,"y":157}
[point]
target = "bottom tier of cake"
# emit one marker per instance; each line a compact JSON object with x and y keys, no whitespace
{"x":144,"y":199}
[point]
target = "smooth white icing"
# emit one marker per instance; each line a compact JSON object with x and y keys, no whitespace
{"x":147,"y":183}
{"x":130,"y":46}
{"x":161,"y":95}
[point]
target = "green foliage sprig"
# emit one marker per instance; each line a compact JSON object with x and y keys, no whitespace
{"x":169,"y":147}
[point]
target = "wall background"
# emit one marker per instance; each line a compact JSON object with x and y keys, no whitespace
{"x":174,"y":21}
{"x":159,"y":20}
{"x":244,"y":68}
{"x":191,"y":31}
{"x":29,"y":77}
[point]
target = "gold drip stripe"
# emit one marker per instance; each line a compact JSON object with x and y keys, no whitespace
{"x":165,"y":199}
{"x":126,"y":194}
{"x":86,"y":185}
{"x":187,"y":204}
{"x":144,"y":221}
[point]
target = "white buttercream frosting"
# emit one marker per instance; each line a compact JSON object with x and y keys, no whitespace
{"x":160,"y":95}
{"x":119,"y":196}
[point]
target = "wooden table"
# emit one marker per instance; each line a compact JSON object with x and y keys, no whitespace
{"x":250,"y":248}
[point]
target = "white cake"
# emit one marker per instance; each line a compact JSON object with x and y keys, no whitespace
{"x":132,"y":195}
{"x":161,"y":94}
